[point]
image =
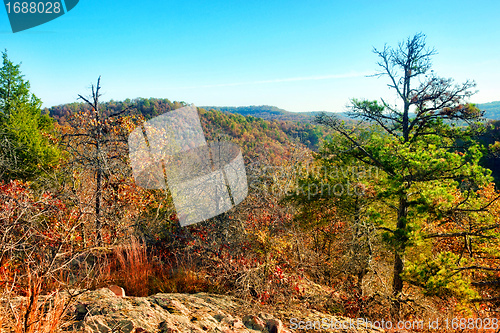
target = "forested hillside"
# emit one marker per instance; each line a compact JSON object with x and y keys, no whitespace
{"x":492,"y":110}
{"x":247,"y":126}
{"x":274,"y":113}
{"x":261,"y":111}
{"x":491,"y":141}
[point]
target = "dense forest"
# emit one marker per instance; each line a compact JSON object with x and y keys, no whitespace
{"x":393,"y":214}
{"x":247,"y":127}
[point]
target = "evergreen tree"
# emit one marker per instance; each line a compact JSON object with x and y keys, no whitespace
{"x":27,"y":144}
{"x":432,"y":182}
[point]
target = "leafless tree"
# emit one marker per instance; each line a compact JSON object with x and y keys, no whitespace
{"x":98,"y":145}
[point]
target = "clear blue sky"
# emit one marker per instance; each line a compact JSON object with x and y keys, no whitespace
{"x":297,"y":55}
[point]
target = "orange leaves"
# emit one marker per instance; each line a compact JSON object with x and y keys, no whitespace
{"x":14,"y":189}
{"x":17,"y":200}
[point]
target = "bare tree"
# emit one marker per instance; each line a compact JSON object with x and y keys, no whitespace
{"x":98,"y":144}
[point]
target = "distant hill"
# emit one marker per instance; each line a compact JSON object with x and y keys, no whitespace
{"x":268,"y":112}
{"x":250,"y":126}
{"x":492,"y":110}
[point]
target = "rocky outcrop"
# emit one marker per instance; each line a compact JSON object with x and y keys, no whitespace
{"x":103,"y":311}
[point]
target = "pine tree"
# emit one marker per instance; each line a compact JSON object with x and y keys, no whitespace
{"x":27,"y":144}
{"x":431,"y":172}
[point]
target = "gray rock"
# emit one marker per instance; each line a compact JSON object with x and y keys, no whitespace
{"x":101,"y":311}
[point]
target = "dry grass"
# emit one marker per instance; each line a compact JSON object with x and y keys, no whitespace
{"x":34,"y":313}
{"x":134,"y":267}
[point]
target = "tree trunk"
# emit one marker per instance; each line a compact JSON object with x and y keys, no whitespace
{"x":98,"y":224}
{"x":397,"y":282}
{"x":98,"y":192}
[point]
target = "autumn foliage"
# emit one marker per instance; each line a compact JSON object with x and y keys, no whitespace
{"x":319,"y":229}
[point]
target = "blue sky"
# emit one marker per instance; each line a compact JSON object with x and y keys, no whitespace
{"x":297,"y":55}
